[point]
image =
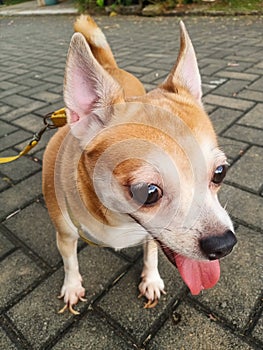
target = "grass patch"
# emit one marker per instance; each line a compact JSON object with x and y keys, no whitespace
{"x":237,"y":5}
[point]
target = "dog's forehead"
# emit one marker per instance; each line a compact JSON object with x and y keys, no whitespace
{"x":173,"y":121}
{"x":154,"y":128}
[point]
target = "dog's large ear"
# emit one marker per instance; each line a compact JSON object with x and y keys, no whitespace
{"x":185,"y":72}
{"x":89,"y":91}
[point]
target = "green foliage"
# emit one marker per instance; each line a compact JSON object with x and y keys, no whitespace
{"x":84,"y":5}
{"x":237,"y":5}
{"x":222,"y":5}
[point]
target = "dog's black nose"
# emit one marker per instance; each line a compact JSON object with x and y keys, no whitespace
{"x":215,"y":247}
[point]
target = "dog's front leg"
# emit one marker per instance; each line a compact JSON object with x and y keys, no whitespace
{"x":152,"y":285}
{"x":72,"y":290}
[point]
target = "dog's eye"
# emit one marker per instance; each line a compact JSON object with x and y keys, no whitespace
{"x":146,"y":194}
{"x":219,"y":174}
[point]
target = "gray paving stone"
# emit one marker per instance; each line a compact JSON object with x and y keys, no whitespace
{"x":5,"y":341}
{"x":138,"y":69}
{"x":223,"y":117}
{"x":6,"y":85}
{"x":251,"y":95}
{"x":18,"y":272}
{"x":239,"y":58}
{"x":212,"y":68}
{"x":257,"y":85}
{"x":31,"y":82}
{"x":236,"y":66}
{"x":17,"y":70}
{"x":40,"y":227}
{"x":9,"y":93}
{"x":209,"y":109}
{"x":42,"y":306}
{"x":233,"y":149}
{"x":194,"y":331}
{"x":57,"y":90}
{"x":254,"y":70}
{"x":259,"y":65}
{"x":15,"y":197}
{"x":240,"y":282}
{"x":248,"y":170}
{"x":5,"y":182}
{"x":6,"y":76}
{"x":253,"y":117}
{"x":258,"y":330}
{"x":31,"y":122}
{"x":237,"y":75}
{"x":149,"y":87}
{"x":231,"y":87}
{"x":154,"y":76}
{"x":46,"y":96}
{"x":127,"y":310}
{"x":99,"y":267}
{"x":39,"y":153}
{"x":6,"y":129}
{"x":246,"y":134}
{"x":5,"y":245}
{"x":3,"y":110}
{"x":228,"y":102}
{"x":40,"y":88}
{"x":132,"y":253}
{"x":92,"y":332}
{"x":19,"y":169}
{"x":241,"y":204}
{"x":13,"y":139}
{"x":26,"y":109}
{"x":58,"y":79}
{"x":17,"y":100}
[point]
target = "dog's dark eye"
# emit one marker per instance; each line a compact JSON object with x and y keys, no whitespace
{"x":146,"y":194}
{"x":219,"y":174}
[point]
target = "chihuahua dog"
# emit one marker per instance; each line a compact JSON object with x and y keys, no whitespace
{"x":132,"y":167}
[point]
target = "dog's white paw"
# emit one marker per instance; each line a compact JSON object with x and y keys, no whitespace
{"x":151,"y":287}
{"x":72,"y":291}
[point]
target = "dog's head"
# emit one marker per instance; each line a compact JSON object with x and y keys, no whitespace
{"x":153,"y":161}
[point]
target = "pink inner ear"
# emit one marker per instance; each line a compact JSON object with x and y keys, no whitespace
{"x":80,"y":95}
{"x":74,"y":117}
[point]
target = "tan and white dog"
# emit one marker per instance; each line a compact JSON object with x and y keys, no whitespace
{"x":132,"y":167}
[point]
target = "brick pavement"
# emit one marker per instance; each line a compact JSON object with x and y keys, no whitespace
{"x":32,"y":59}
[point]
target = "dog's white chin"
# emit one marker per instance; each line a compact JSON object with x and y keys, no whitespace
{"x":197,"y":274}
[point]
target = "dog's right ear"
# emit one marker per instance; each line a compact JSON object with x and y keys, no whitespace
{"x":89,"y":91}
{"x":185,"y":73}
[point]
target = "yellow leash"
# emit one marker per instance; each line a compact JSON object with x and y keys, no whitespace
{"x":51,"y":121}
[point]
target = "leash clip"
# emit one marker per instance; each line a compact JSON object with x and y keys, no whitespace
{"x":37,"y":136}
{"x":49,"y":124}
{"x":51,"y":120}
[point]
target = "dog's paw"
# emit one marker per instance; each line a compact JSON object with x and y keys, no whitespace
{"x":151,"y":287}
{"x":72,"y":293}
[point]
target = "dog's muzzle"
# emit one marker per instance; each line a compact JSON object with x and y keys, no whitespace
{"x":216,"y":247}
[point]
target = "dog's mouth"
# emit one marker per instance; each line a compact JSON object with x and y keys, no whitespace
{"x":197,"y":275}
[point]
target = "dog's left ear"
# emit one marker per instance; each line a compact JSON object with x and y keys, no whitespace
{"x":89,"y":91}
{"x":185,"y":73}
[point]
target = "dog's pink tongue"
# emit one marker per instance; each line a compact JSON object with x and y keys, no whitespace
{"x":198,"y":275}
